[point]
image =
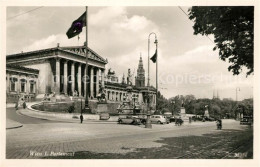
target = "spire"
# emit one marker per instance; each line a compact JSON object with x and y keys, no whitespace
{"x":140,"y":65}
{"x":140,"y":78}
{"x":213,"y":93}
{"x":217,"y":94}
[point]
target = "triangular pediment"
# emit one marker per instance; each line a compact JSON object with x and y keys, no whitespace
{"x":81,"y":50}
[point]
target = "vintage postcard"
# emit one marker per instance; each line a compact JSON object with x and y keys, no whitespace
{"x":110,"y":81}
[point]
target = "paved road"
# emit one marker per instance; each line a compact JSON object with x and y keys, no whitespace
{"x":39,"y":137}
{"x":13,"y":115}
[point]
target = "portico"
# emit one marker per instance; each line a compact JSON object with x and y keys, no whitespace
{"x":63,"y":69}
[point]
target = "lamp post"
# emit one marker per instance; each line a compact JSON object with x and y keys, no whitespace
{"x":148,"y":121}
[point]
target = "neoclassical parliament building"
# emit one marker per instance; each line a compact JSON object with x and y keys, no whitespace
{"x":62,"y":70}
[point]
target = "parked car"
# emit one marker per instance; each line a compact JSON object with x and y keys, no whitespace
{"x":172,"y":119}
{"x":159,"y":119}
{"x":167,"y":119}
{"x":246,"y":120}
{"x":129,"y":119}
{"x":104,"y":116}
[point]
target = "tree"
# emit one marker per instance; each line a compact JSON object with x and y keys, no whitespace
{"x":233,"y":29}
{"x":188,"y":103}
{"x":215,"y":111}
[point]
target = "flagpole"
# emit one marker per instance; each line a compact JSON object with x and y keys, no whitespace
{"x":148,"y":121}
{"x":87,"y":109}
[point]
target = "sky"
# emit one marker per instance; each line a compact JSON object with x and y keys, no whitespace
{"x":187,"y":63}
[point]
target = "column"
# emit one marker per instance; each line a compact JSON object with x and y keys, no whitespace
{"x":84,"y":81}
{"x":79,"y":79}
{"x":57,"y":76}
{"x":65,"y":73}
{"x":28,"y":84}
{"x":18,"y":86}
{"x":107,"y":95}
{"x":7,"y":82}
{"x":35,"y":86}
{"x":92,"y":82}
{"x":97,"y":81}
{"x":103,"y":78}
{"x":122,"y":96}
{"x":72,"y":77}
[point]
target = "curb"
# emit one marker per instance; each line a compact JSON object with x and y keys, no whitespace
{"x":15,"y":127}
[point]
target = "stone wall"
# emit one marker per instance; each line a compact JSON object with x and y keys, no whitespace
{"x":63,"y":106}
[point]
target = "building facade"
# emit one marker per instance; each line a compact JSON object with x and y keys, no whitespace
{"x":21,"y":81}
{"x":62,"y":70}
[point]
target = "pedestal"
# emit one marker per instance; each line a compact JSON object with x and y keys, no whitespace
{"x":102,"y":108}
{"x":206,"y":114}
{"x":148,"y":122}
{"x":183,"y":115}
{"x":183,"y":112}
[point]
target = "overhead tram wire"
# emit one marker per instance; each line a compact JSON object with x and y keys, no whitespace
{"x":24,"y":13}
{"x":193,"y":21}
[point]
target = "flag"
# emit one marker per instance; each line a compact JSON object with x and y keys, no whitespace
{"x":154,"y":58}
{"x":76,"y":26}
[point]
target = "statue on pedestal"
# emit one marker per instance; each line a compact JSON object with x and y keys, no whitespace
{"x":101,"y":94}
{"x":129,"y":78}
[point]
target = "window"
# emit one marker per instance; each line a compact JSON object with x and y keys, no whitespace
{"x":31,"y":87}
{"x":13,"y":81}
{"x":22,"y":87}
{"x":12,"y":86}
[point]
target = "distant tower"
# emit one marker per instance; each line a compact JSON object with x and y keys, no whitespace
{"x":214,"y":94}
{"x":140,"y":78}
{"x":217,"y":94}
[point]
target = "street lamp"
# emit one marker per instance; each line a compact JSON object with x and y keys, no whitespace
{"x":148,"y":121}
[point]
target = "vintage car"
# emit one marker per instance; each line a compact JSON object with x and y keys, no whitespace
{"x":159,"y":119}
{"x":129,"y":119}
{"x":172,"y":119}
{"x":246,"y":120}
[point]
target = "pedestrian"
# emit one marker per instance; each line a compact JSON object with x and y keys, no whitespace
{"x":81,"y":118}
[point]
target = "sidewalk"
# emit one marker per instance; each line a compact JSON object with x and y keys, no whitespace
{"x":10,"y":124}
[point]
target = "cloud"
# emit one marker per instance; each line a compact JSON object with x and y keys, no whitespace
{"x":116,"y":34}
